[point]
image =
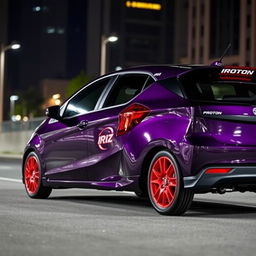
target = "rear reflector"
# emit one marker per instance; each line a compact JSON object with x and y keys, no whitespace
{"x":218,"y":170}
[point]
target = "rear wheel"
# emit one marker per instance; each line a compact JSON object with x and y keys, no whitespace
{"x":33,"y":178}
{"x":165,"y":186}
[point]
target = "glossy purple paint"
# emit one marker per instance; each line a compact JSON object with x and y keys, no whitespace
{"x":71,"y":157}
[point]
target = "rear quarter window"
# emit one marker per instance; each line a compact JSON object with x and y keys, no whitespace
{"x":173,"y":85}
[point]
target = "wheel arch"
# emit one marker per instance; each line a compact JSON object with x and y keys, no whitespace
{"x":146,"y":163}
{"x":25,"y":155}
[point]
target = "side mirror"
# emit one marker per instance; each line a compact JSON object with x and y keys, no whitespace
{"x":53,"y":112}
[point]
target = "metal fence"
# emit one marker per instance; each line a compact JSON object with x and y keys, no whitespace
{"x":11,"y":126}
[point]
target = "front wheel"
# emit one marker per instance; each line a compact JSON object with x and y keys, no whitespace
{"x":33,"y":178}
{"x":165,"y":186}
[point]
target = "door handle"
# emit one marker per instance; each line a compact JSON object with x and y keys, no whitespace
{"x":82,"y":124}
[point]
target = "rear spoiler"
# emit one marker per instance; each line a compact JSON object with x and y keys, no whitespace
{"x":247,"y":74}
{"x":217,"y":73}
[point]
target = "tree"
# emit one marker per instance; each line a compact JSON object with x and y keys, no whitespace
{"x":76,"y":83}
{"x":29,"y":103}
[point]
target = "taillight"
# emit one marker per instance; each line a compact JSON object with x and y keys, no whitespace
{"x":130,"y":117}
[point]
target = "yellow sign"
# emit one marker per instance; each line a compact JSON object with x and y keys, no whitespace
{"x":143,"y":5}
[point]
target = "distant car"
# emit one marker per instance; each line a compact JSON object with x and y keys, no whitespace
{"x":165,"y":132}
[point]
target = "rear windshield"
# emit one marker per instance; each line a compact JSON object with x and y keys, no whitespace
{"x":207,"y":87}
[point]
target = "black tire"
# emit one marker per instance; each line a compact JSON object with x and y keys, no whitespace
{"x":165,"y":186}
{"x":33,"y":178}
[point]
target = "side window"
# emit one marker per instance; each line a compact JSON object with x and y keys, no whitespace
{"x":125,"y":88}
{"x":86,"y":100}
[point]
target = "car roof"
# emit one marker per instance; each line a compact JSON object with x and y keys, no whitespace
{"x":164,"y":71}
{"x":160,"y":72}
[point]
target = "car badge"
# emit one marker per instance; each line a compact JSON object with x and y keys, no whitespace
{"x":105,"y":138}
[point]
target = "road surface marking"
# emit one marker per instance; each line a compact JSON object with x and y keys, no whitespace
{"x":9,"y":179}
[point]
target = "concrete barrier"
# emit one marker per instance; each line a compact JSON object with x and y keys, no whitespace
{"x":14,"y":142}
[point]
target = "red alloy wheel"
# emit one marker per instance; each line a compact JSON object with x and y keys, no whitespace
{"x":163,"y":182}
{"x":32,"y":175}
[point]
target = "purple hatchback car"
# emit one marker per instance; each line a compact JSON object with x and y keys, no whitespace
{"x":165,"y":132}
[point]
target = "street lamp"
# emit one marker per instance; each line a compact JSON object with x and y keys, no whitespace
{"x":3,"y":49}
{"x":13,"y":98}
{"x":15,"y":46}
{"x":104,"y":41}
{"x":56,"y":99}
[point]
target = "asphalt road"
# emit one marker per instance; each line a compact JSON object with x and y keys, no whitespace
{"x":90,"y":222}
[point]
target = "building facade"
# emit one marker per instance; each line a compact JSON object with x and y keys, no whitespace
{"x":3,"y":21}
{"x":145,"y":31}
{"x":52,"y":36}
{"x":60,"y":38}
{"x":213,"y":24}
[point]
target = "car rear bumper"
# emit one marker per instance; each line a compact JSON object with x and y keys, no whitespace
{"x":238,"y":176}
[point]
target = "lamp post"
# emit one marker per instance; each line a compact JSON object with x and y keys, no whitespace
{"x":104,"y":41}
{"x":3,"y":49}
{"x":13,"y":98}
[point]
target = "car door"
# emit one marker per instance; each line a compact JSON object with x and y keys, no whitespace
{"x":65,"y":148}
{"x":104,"y":147}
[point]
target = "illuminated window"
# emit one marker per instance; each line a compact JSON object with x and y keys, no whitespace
{"x":36,"y":9}
{"x":143,"y":5}
{"x":53,"y":30}
{"x":60,"y":31}
{"x":50,"y":30}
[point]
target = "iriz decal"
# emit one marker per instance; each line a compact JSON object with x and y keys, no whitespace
{"x":105,"y":138}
